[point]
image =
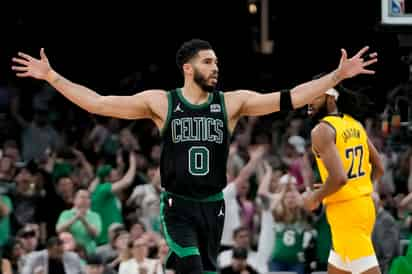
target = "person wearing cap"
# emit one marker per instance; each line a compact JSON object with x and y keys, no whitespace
{"x":297,"y":161}
{"x":53,"y":260}
{"x":30,"y":236}
{"x":348,"y":163}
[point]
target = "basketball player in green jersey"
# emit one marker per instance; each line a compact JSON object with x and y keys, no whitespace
{"x":195,"y":122}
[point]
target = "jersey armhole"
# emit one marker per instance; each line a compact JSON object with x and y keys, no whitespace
{"x":223,"y":103}
{"x":169,"y":113}
{"x":331,"y":126}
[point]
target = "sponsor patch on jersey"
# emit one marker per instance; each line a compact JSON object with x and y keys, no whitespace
{"x":215,"y":108}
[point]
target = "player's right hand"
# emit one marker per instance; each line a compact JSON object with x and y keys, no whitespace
{"x":309,"y":201}
{"x":28,"y":66}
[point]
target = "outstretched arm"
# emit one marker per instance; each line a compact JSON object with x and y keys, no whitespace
{"x":138,"y":106}
{"x":323,"y":140}
{"x":244,"y":102}
{"x":128,"y":178}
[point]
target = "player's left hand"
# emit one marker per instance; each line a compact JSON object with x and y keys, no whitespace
{"x":355,"y":65}
{"x":310,"y":203}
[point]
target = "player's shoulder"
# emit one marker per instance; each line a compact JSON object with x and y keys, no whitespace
{"x":323,"y":131}
{"x":153,"y":96}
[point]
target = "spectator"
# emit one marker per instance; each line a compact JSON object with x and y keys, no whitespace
{"x":239,"y":263}
{"x":83,"y":223}
{"x":5,"y":266}
{"x":146,"y":199}
{"x":323,"y":240}
{"x":121,"y":250}
{"x":235,"y":206}
{"x":37,"y":135}
{"x":14,"y":251}
{"x":69,"y":244}
{"x":95,"y":265}
{"x":11,"y":150}
{"x":7,"y":173}
{"x":53,"y":260}
{"x":297,"y":162}
{"x":104,"y":200}
{"x":61,"y":196}
{"x":108,"y":250}
{"x":137,"y":229}
{"x":30,"y":237}
{"x":385,"y":236}
{"x":140,"y":263}
{"x":5,"y":210}
{"x":241,"y":237}
{"x":289,"y":224}
{"x":25,"y":199}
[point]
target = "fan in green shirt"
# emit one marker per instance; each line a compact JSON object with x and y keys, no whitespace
{"x":5,"y":210}
{"x":84,"y":224}
{"x":104,"y":199}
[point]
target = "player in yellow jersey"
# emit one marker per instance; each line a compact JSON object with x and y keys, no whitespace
{"x":348,"y":164}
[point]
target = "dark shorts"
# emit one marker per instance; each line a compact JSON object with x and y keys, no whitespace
{"x":192,"y":228}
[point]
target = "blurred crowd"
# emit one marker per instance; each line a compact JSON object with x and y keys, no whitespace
{"x":81,"y":193}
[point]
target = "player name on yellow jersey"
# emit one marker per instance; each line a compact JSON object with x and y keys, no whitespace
{"x":350,"y":133}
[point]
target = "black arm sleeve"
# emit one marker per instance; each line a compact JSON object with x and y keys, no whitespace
{"x":285,"y":101}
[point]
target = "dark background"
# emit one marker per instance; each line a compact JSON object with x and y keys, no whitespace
{"x":123,"y":48}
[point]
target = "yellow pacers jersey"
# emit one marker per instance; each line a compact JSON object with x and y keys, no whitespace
{"x":352,"y":145}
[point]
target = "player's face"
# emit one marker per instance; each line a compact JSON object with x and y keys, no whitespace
{"x":317,"y":108}
{"x":205,"y":70}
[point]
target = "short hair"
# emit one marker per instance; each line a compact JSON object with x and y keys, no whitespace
{"x":188,"y":50}
{"x":94,"y":259}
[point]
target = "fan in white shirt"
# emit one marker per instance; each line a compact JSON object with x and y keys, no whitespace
{"x":230,"y":193}
{"x":139,"y":263}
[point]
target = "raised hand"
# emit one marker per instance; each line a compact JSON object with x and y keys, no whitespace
{"x":351,"y":67}
{"x":257,"y":151}
{"x":28,"y":66}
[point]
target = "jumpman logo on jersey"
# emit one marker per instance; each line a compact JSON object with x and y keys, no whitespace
{"x":178,"y":108}
{"x":221,"y":212}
